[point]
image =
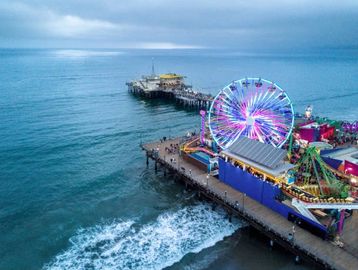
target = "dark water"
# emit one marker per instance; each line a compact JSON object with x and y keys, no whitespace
{"x":74,"y":189}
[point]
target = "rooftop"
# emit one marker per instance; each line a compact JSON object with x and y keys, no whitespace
{"x":262,"y":153}
{"x":264,"y":157}
{"x":170,"y":76}
{"x":350,"y":154}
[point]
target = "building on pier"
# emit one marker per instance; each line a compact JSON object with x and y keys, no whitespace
{"x":259,"y":170}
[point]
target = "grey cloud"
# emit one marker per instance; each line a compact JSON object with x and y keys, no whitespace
{"x":243,"y":25}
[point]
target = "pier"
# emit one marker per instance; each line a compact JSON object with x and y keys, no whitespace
{"x":171,"y":87}
{"x":303,"y":244}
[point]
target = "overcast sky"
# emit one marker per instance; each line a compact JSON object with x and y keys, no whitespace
{"x":245,"y":25}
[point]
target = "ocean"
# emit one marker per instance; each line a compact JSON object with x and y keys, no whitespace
{"x":75,"y":192}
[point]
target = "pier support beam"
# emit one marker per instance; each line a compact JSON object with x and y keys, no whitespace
{"x":213,"y":207}
{"x":230,"y":217}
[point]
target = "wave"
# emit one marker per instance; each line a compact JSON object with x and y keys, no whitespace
{"x":155,"y":245}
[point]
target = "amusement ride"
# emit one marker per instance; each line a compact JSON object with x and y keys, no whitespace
{"x":253,"y":107}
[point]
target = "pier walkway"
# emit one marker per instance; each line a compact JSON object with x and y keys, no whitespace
{"x":301,"y":242}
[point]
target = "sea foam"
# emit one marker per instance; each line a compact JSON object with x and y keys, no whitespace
{"x":155,"y":245}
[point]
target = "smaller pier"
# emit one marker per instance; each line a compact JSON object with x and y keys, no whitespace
{"x":170,"y":86}
{"x":303,"y":244}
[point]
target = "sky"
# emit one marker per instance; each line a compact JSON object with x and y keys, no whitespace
{"x":256,"y":25}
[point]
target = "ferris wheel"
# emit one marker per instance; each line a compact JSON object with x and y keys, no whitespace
{"x":251,"y":107}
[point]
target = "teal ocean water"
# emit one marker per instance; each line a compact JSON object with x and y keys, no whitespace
{"x":75,"y":192}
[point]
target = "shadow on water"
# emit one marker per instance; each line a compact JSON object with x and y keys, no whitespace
{"x":246,"y":249}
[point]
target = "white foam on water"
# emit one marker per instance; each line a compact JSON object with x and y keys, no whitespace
{"x":156,"y":245}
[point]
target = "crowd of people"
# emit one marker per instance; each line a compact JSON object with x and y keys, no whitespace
{"x":252,"y":171}
{"x":345,"y":138}
{"x":172,"y":149}
{"x":192,"y":94}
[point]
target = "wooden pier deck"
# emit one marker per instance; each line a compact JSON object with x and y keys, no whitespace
{"x":303,"y":244}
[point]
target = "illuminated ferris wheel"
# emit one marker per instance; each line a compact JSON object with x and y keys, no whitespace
{"x":251,"y":107}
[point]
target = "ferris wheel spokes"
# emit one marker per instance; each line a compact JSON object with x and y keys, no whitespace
{"x":251,"y":107}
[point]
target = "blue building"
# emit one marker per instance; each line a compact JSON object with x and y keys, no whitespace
{"x":259,"y":170}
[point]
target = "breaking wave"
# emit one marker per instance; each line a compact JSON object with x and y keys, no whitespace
{"x":156,"y":245}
